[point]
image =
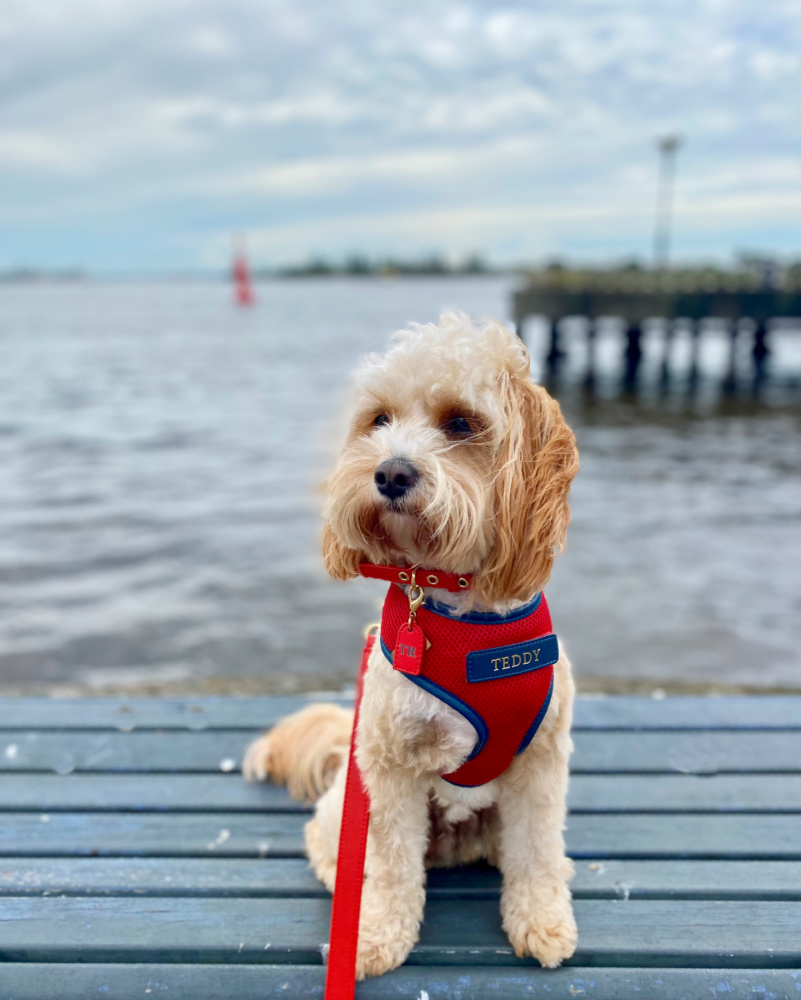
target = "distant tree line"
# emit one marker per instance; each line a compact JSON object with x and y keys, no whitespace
{"x":359,"y":265}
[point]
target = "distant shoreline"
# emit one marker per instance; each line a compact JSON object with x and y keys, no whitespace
{"x":746,"y":272}
{"x":93,"y":278}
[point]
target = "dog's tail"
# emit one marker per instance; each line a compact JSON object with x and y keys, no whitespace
{"x":304,"y":751}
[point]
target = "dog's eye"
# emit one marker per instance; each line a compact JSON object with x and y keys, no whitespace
{"x":459,"y":427}
{"x":381,"y":420}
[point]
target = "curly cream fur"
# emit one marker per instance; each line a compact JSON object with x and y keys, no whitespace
{"x":494,"y":504}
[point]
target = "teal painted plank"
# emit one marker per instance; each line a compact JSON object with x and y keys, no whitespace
{"x":711,"y":837}
{"x":779,"y":880}
{"x":611,"y":932}
{"x":165,"y":792}
{"x":679,"y":793}
{"x":130,"y":714}
{"x":209,"y":877}
{"x":632,"y":835}
{"x":733,"y":712}
{"x":712,"y":752}
{"x":152,"y":834}
{"x":619,"y":712}
{"x":257,"y":982}
{"x":217,"y":792}
{"x":213,"y":751}
{"x":688,"y":879}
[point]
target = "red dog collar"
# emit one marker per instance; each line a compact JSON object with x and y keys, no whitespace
{"x":452,"y":582}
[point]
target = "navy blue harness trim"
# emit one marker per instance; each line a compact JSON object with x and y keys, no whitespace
{"x":535,"y":725}
{"x":484,"y":617}
{"x":451,"y":700}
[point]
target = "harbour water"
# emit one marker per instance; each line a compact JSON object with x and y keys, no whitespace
{"x":159,"y":524}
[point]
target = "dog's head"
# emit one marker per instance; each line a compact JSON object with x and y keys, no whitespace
{"x":455,"y":460}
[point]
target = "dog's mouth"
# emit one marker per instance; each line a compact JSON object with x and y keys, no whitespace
{"x":403,"y":528}
{"x":399,"y":505}
{"x":399,"y":512}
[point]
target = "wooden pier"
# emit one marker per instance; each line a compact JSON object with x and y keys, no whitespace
{"x":135,"y":862}
{"x":748,"y":310}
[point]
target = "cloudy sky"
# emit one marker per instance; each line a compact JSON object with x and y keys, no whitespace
{"x":138,"y":134}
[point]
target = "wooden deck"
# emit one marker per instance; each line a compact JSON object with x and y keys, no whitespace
{"x":135,"y":862}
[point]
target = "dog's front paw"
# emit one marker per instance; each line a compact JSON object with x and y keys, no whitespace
{"x":382,"y":949}
{"x":387,"y":932}
{"x":548,"y":934}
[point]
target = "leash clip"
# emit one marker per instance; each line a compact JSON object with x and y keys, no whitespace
{"x":416,"y":597}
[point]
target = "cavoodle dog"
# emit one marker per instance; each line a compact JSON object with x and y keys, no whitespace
{"x":455,"y":464}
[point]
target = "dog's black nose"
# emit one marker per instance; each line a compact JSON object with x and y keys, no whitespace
{"x":395,"y":477}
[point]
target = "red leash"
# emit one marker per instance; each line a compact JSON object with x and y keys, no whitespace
{"x":343,"y":938}
{"x":340,"y":979}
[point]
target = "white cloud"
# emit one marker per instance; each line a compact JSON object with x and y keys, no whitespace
{"x":321,"y":108}
{"x":23,"y":149}
{"x":772,"y":66}
{"x":210,"y":40}
{"x":337,"y":174}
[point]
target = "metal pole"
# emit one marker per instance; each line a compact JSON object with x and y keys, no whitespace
{"x":668,"y":145}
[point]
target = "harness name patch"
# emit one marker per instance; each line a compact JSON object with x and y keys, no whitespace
{"x":509,"y":661}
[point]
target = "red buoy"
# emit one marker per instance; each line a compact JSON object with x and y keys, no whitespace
{"x":243,"y":287}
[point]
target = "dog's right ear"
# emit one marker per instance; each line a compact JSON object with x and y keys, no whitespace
{"x":341,"y":562}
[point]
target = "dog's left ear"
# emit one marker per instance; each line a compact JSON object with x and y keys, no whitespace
{"x":341,"y":562}
{"x":536,"y":465}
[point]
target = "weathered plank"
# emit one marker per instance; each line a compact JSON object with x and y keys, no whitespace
{"x":130,"y":714}
{"x":217,"y":792}
{"x":212,"y":751}
{"x":711,"y":837}
{"x":686,"y":879}
{"x":684,"y":793}
{"x":256,"y":982}
{"x":249,"y":835}
{"x":621,"y":712}
{"x":105,"y":751}
{"x":749,"y":934}
{"x":165,"y":792}
{"x":711,"y":752}
{"x":737,"y":712}
{"x":209,"y":877}
{"x":778,"y":880}
{"x":134,"y":834}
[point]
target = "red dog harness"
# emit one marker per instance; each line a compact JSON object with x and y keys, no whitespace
{"x":495,"y":670}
